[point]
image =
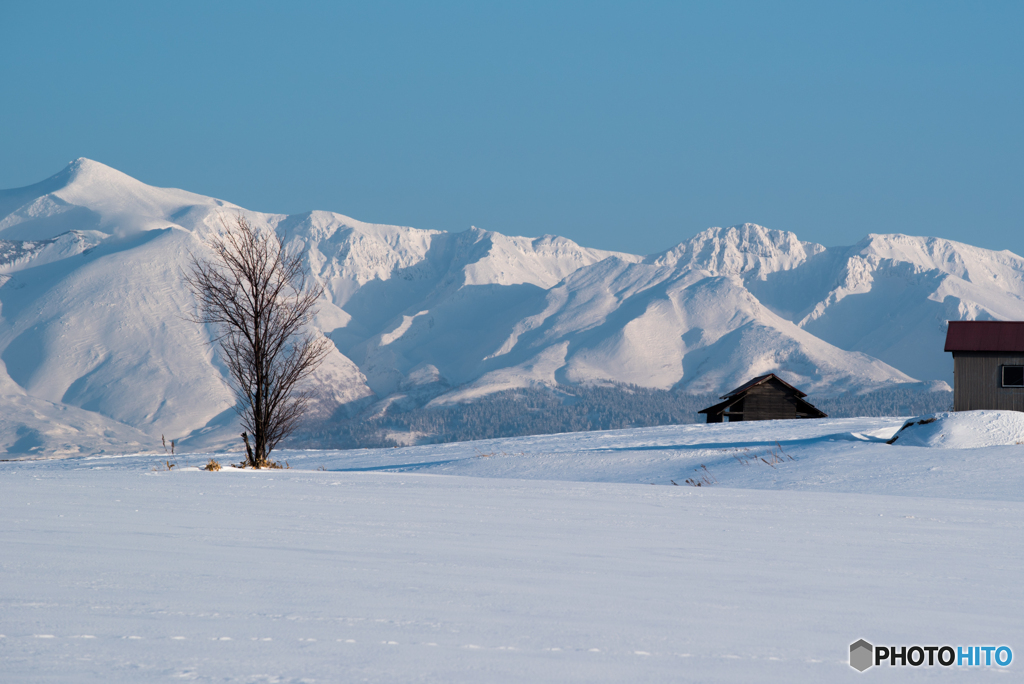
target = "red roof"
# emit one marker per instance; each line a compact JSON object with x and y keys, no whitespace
{"x":994,"y":336}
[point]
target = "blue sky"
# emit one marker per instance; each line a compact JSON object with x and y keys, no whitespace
{"x":627,"y":126}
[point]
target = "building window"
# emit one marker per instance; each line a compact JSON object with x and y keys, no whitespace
{"x":1013,"y":376}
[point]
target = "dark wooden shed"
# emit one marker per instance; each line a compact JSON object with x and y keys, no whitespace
{"x":988,"y":364}
{"x":767,"y":397}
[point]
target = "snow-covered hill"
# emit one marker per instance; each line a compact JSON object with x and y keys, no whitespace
{"x":91,"y":304}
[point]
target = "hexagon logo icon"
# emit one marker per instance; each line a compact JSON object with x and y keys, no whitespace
{"x":862,"y":655}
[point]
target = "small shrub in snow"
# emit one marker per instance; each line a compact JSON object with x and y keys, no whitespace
{"x":704,"y":477}
{"x":776,"y":456}
{"x":212,"y":465}
{"x":772,"y":457}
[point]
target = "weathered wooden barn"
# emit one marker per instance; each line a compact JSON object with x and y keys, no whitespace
{"x":767,"y":397}
{"x":988,"y":364}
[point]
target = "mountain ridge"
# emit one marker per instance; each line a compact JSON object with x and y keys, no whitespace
{"x":90,"y":304}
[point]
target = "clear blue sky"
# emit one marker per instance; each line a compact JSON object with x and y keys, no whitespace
{"x":626,"y":126}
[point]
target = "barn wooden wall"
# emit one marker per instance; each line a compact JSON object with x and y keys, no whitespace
{"x":768,"y":402}
{"x":977,"y":382}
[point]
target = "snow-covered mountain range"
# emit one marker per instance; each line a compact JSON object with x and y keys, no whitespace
{"x":97,"y":354}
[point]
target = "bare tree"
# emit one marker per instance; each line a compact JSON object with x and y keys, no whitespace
{"x":257,"y":297}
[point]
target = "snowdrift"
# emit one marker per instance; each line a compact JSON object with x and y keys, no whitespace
{"x":962,"y":430}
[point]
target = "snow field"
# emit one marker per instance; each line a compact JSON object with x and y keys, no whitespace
{"x":116,"y":572}
{"x":394,"y":577}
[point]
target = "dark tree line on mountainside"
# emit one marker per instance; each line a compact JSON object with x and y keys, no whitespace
{"x":520,"y":412}
{"x":887,"y":402}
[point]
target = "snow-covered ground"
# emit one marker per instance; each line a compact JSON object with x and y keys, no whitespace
{"x":548,"y":558}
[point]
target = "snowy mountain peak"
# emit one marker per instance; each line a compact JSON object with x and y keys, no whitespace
{"x":54,"y":183}
{"x":738,"y":250}
{"x":969,"y":263}
{"x":88,"y":195}
{"x":89,"y":170}
{"x":88,"y":181}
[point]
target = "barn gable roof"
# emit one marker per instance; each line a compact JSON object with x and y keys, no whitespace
{"x":760,"y":380}
{"x":735,"y":396}
{"x":991,"y":336}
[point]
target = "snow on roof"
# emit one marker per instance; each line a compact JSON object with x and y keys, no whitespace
{"x":996,"y":336}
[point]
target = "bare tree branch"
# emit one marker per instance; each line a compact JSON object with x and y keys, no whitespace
{"x":258,"y":299}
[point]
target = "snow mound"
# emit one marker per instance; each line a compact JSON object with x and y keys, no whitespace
{"x":962,"y":430}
